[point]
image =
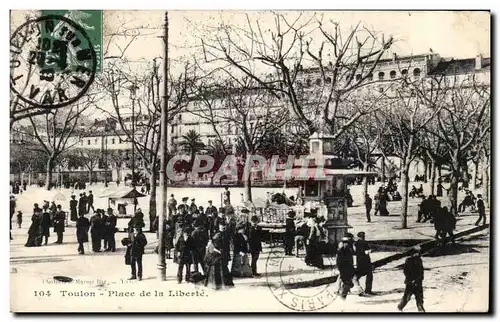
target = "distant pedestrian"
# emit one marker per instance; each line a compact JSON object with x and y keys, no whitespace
{"x":226,"y":195}
{"x":19,"y":219}
{"x":45,"y":224}
{"x":481,"y":210}
{"x":414,"y":276}
{"x":368,"y":207}
{"x":90,"y":202}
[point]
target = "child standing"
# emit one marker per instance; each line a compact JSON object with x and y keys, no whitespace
{"x":19,"y":219}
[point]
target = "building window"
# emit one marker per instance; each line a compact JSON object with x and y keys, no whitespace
{"x":370,"y":77}
{"x":88,"y":142}
{"x":328,"y":80}
{"x":416,"y":72}
{"x":381,"y":75}
{"x":180,"y":117}
{"x":392,"y":74}
{"x":358,"y":77}
{"x":95,"y":141}
{"x":120,"y":141}
{"x":404,"y":72}
{"x":308,"y":82}
{"x":112,"y":141}
{"x":318,"y":82}
{"x":381,"y":89}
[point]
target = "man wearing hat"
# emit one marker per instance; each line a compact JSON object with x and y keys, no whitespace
{"x":192,"y":207}
{"x":481,"y":210}
{"x":183,"y":206}
{"x":289,"y":232}
{"x":90,"y":202}
{"x":111,"y":230}
{"x":363,"y":262}
{"x":212,"y":218}
{"x":172,"y":205}
{"x":59,"y":219}
{"x":139,"y":241}
{"x":414,"y":276}
{"x":255,"y":243}
{"x":345,"y":265}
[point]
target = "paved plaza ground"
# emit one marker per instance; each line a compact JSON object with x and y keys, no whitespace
{"x":456,"y":278}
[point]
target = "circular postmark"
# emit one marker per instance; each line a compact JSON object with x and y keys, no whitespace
{"x":297,"y":286}
{"x":52,"y":62}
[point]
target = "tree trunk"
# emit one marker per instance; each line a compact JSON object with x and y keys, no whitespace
{"x":383,"y":169}
{"x":486,"y":182}
{"x":433,"y":176}
{"x":90,"y":177}
{"x":405,"y":180}
{"x":454,"y":187}
{"x":50,"y":170}
{"x":474,"y":174}
{"x":439,"y":172}
{"x":426,"y":171}
{"x":152,"y":198}
{"x":365,"y":180}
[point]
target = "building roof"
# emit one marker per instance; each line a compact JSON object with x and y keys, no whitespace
{"x":459,"y":66}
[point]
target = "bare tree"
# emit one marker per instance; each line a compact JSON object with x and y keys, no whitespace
{"x":408,"y":115}
{"x":88,"y":158}
{"x":463,"y":122}
{"x":54,"y":130}
{"x":144,"y":123}
{"x":252,"y":112}
{"x":342,"y":60}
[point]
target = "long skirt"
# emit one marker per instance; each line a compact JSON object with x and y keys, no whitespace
{"x":241,"y":266}
{"x":218,"y":276}
{"x":313,"y":255}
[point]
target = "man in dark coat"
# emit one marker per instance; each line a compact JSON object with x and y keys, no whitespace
{"x":414,"y":276}
{"x":73,"y":208}
{"x":104,"y":229}
{"x":422,"y":209}
{"x":90,"y":202}
{"x":255,"y":243}
{"x":184,"y":247}
{"x":289,"y":233}
{"x":82,"y":205}
{"x":183,"y":207}
{"x":96,"y":231}
{"x":345,"y":265}
{"x":59,"y":219}
{"x":111,"y":230}
{"x":172,"y":206}
{"x":481,"y":210}
{"x":139,"y":242}
{"x":200,"y":241}
{"x":192,"y":207}
{"x":363,"y":262}
{"x":82,"y":232}
{"x":12,"y":211}
{"x":212,"y":219}
{"x":45,"y":224}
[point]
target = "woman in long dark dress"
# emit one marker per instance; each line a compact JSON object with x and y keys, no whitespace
{"x":241,"y":265}
{"x":34,"y":232}
{"x":216,"y":260}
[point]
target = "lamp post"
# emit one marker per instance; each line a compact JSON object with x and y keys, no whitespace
{"x":133,"y":89}
{"x":163,"y":160}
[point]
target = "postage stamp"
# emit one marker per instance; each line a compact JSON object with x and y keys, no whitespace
{"x":53,"y":61}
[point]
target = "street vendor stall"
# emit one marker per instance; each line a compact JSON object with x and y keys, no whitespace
{"x":124,"y":202}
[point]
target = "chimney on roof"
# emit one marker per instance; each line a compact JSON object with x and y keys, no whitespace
{"x":479,"y":62}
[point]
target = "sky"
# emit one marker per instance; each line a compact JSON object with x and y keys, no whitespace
{"x":451,"y":34}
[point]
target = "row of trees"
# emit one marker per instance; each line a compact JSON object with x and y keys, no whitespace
{"x":256,"y":80}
